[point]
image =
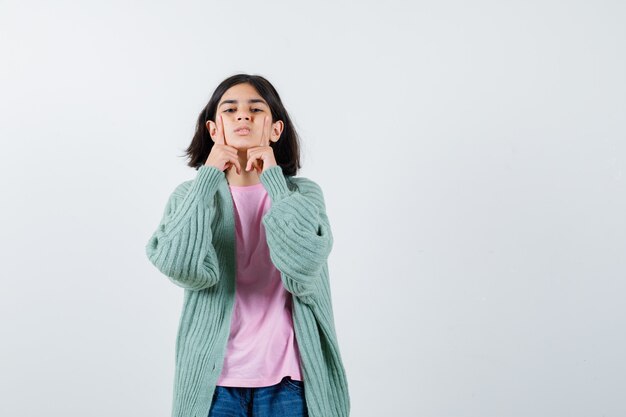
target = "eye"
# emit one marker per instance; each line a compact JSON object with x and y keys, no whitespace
{"x":229,"y":110}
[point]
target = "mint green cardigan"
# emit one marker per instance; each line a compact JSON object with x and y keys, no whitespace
{"x":194,"y":246}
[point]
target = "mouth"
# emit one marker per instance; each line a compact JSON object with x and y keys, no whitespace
{"x":243,"y":131}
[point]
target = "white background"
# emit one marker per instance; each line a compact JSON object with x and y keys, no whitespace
{"x":473,"y":160}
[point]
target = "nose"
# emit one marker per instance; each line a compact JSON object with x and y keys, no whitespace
{"x":243,"y":114}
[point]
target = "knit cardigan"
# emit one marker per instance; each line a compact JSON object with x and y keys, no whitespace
{"x":194,"y":246}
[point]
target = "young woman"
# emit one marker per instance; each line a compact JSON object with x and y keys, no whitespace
{"x":249,"y":243}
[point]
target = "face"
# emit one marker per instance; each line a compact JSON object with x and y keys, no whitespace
{"x":241,"y":105}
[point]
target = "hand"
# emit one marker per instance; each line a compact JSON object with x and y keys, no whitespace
{"x":222,"y":155}
{"x":261,"y":158}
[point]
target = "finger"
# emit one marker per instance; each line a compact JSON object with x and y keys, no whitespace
{"x":231,"y":149}
{"x":265,"y":140}
{"x":227,"y":152}
{"x":249,"y":155}
{"x":251,"y":163}
{"x":263,"y":131}
{"x":235,"y":161}
{"x":232,"y":157}
{"x":258,"y":163}
{"x":216,"y":137}
{"x":220,"y":134}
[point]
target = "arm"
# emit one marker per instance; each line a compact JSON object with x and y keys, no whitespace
{"x":298,"y":232}
{"x":181,"y":247}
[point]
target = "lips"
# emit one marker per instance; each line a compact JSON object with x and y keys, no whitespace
{"x":242,"y":129}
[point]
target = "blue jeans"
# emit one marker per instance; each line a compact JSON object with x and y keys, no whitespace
{"x":285,"y":399}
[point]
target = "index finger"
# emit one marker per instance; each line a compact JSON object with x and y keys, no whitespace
{"x":219,"y":135}
{"x":265,"y":136}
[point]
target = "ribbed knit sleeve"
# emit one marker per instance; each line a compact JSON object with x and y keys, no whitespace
{"x":181,"y":247}
{"x":298,"y":232}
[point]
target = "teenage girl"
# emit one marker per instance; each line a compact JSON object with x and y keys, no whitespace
{"x":249,"y":242}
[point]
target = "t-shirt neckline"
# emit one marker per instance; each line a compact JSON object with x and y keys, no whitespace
{"x":246,"y":187}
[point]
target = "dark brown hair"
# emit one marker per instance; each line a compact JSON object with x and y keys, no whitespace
{"x":286,"y":149}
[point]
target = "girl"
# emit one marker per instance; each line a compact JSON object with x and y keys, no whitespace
{"x":249,"y":243}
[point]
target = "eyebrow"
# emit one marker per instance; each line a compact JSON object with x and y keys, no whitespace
{"x":254,"y":100}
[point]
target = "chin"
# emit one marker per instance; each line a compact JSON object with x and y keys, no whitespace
{"x":241,"y":143}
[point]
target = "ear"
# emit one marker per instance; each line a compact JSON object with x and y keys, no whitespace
{"x":212,"y":128}
{"x":277,"y":129}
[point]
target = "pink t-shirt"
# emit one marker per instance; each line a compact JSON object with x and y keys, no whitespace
{"x":262,"y":346}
